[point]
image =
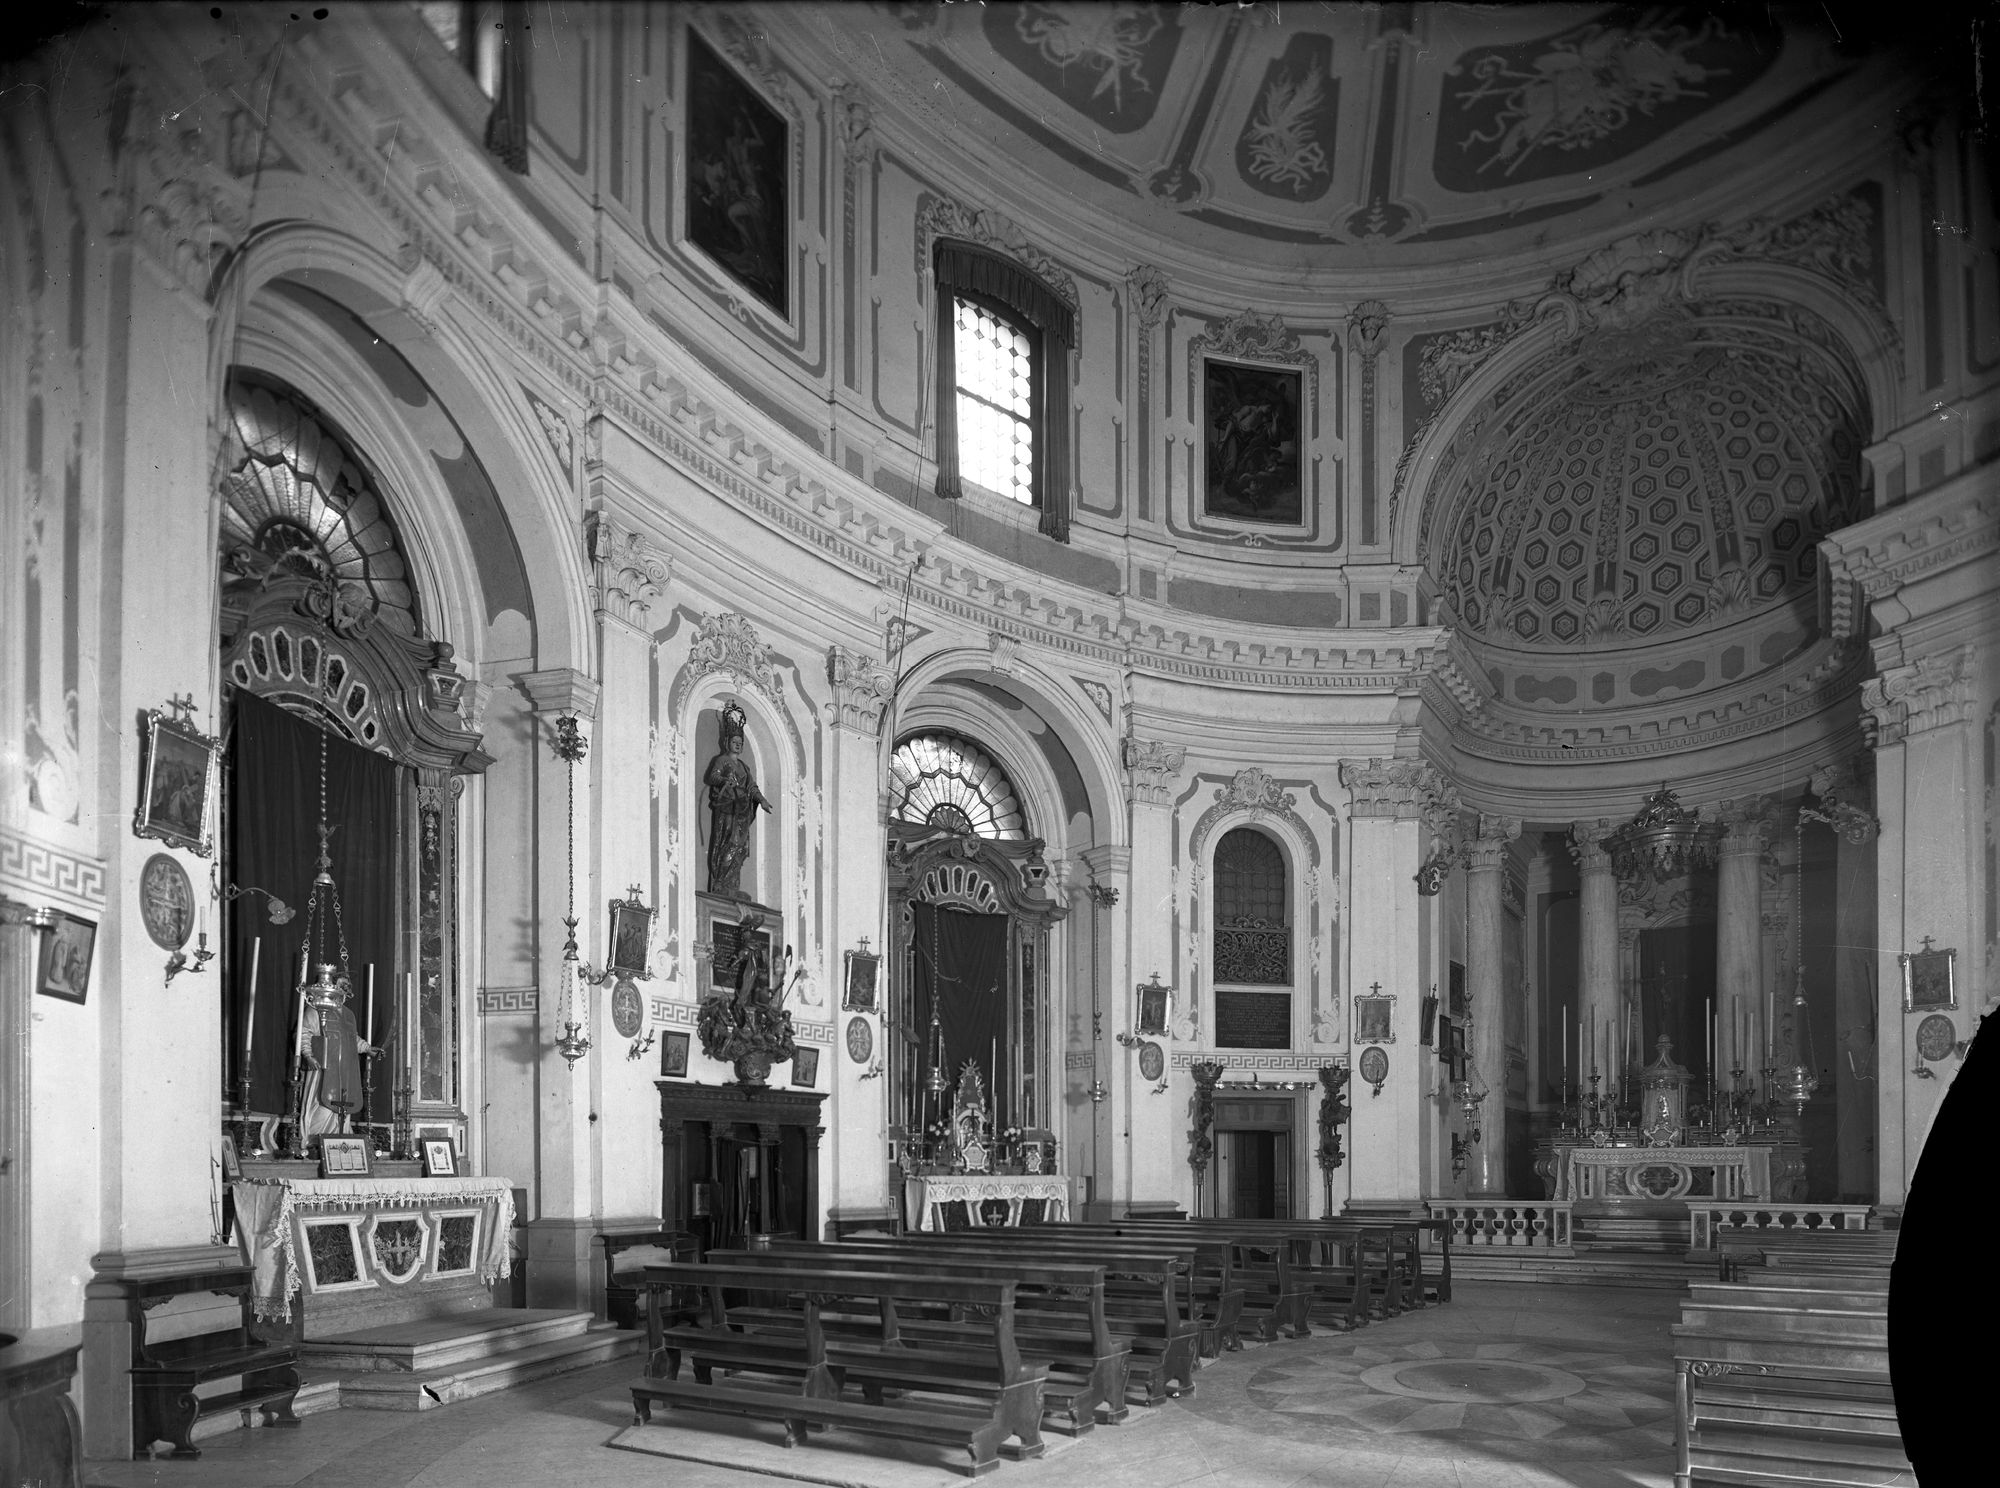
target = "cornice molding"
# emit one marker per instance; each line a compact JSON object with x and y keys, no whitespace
{"x":561,"y":690}
{"x":1403,"y":789}
{"x":1876,"y":558}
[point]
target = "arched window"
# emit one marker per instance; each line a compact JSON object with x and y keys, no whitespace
{"x":1253,"y":939}
{"x":942,"y":780}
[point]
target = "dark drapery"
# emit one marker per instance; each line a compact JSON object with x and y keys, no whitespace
{"x":960,"y":961}
{"x":1677,"y":993}
{"x":273,"y":845}
{"x":965,"y":267}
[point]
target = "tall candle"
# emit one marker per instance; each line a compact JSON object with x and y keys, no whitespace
{"x":250,"y":1002}
{"x":410,"y":1021}
{"x":368,"y":1037}
{"x":299,"y":1021}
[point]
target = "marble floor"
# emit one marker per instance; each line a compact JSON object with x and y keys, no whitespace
{"x":1509,"y":1385}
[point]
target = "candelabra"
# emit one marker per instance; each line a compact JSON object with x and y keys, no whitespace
{"x":402,"y":1132}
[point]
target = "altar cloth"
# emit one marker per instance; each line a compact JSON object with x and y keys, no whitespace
{"x":269,"y":1211}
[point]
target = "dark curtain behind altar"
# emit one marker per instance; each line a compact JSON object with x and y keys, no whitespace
{"x":273,"y":844}
{"x":960,"y":959}
{"x":1677,"y":993}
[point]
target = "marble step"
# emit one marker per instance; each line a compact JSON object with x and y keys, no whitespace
{"x":1836,"y":1298}
{"x":440,"y":1342}
{"x":1595,"y":1268}
{"x":1765,"y":1455}
{"x":426,"y":1390}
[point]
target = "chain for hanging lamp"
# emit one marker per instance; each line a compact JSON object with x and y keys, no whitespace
{"x":574,"y":1041}
{"x":1796,"y":1082}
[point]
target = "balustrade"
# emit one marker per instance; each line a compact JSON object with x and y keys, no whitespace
{"x":1706,"y":1217}
{"x":1528,"y":1224}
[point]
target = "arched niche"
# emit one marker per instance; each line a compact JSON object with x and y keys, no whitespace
{"x":320,"y":615}
{"x":1312,"y":1016}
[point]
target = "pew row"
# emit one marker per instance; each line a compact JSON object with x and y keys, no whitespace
{"x":973,"y":1399}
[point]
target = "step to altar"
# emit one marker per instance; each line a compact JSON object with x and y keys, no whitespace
{"x":1598,"y":1267}
{"x":600,"y":1343}
{"x":428,"y":1362}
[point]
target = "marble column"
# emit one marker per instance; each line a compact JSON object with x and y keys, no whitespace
{"x":558,"y":1236}
{"x":1597,"y":960}
{"x":1485,"y":925}
{"x":1739,"y":945}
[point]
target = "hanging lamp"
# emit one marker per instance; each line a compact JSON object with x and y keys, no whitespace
{"x":574,"y":1041}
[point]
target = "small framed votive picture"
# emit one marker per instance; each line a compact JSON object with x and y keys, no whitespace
{"x":67,"y":951}
{"x":805,"y":1067}
{"x":674,"y":1053}
{"x":1156,"y":1002}
{"x":440,"y":1158}
{"x":1929,"y":980}
{"x":344,"y":1157}
{"x":859,"y":996}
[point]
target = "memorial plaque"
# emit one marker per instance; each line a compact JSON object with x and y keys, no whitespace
{"x":1253,"y":1020}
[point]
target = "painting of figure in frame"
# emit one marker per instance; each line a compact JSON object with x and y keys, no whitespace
{"x":1254,"y":470}
{"x":738,"y":151}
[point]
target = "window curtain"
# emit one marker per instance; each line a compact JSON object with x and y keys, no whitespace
{"x":273,"y":845}
{"x":961,"y":969}
{"x":507,"y":125}
{"x":964,"y":266}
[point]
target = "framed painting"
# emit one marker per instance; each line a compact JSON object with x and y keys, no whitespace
{"x":344,"y":1157}
{"x":674,"y":1053}
{"x":1254,"y":469}
{"x":1155,"y":1008}
{"x":1458,"y":1008}
{"x":862,"y":966}
{"x":738,"y":166}
{"x":726,"y":927}
{"x":176,"y":780}
{"x":1427,"y":1021}
{"x":805,"y":1067}
{"x":631,"y":929}
{"x":1929,"y":978}
{"x":68,"y":949}
{"x":1374,"y":1018}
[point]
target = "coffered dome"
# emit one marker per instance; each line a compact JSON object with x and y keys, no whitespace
{"x":1650,"y":481}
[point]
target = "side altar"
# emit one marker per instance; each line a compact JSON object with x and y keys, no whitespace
{"x":1660,"y":1146}
{"x":334,"y":1255}
{"x":960,"y":1174}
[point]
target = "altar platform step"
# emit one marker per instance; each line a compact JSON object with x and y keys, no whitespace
{"x":422,"y":1344}
{"x":422,"y":1390}
{"x":1661,"y":1233}
{"x":1601,"y":1267}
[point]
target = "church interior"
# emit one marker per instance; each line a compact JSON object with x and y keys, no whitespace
{"x":1010,"y":724}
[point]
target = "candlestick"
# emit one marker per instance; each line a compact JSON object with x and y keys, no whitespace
{"x":250,"y":1002}
{"x":368,"y":1036}
{"x":299,"y":1021}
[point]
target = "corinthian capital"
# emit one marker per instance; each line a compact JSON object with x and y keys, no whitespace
{"x":1586,"y":845}
{"x":1930,"y":692}
{"x":627,"y":572}
{"x":1407,"y":789}
{"x":861,"y":690}
{"x":1151,"y":768}
{"x":1489,"y":849}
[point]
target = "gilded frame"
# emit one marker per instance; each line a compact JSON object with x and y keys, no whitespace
{"x":176,"y":784}
{"x":1930,"y":979}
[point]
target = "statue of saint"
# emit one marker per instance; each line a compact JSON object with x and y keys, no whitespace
{"x":733,"y":804}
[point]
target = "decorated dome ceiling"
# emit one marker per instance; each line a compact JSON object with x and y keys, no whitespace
{"x":1648,"y":481}
{"x":1346,"y":125}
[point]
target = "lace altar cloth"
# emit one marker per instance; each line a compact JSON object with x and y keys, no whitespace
{"x":265,"y":1208}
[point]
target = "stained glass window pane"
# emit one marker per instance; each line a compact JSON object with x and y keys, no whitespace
{"x":996,"y":434}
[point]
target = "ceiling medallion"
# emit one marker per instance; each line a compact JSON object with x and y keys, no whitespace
{"x":1666,"y":840}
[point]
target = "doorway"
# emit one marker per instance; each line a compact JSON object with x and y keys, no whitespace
{"x":1255,"y":1174}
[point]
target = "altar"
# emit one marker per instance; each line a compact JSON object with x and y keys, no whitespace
{"x":959,"y":1201}
{"x":363,"y":1252}
{"x":1644,"y":1172}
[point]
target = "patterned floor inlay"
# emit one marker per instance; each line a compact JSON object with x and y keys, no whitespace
{"x":1442,"y":1384}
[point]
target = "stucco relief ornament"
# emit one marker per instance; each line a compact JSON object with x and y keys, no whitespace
{"x":626,"y":572}
{"x":729,"y":643}
{"x":1148,"y":289}
{"x":1255,"y":790}
{"x":941,"y":217}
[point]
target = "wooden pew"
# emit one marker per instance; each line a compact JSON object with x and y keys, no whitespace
{"x":988,"y":1395}
{"x":1144,"y":1283}
{"x":627,"y":1254}
{"x":1243,"y":1282}
{"x":1350,"y":1268}
{"x":1783,"y":1377}
{"x":195,"y":1329}
{"x":1087,"y":1367}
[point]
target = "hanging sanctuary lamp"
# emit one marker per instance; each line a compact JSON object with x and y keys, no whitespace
{"x":574,"y":1041}
{"x":328,"y":992}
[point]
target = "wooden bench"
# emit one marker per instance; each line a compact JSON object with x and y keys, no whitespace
{"x":1784,"y":1378}
{"x":1144,"y":1286}
{"x":1087,"y":1368}
{"x":627,"y":1254}
{"x":193,"y":1330}
{"x":970,"y":1399}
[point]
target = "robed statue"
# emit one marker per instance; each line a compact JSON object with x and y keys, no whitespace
{"x":332,"y":1050}
{"x":733,"y":804}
